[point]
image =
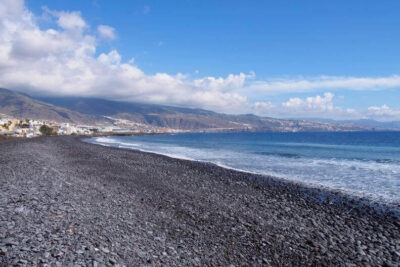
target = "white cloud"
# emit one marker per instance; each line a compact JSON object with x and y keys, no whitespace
{"x":71,"y":20}
{"x":229,"y":83}
{"x":325,"y":82}
{"x":11,"y":7}
{"x":63,"y":61}
{"x":383,"y":112}
{"x":112,"y":58}
{"x":312,"y":103}
{"x":311,"y":107}
{"x":323,"y":107}
{"x":107,"y":32}
{"x":264,"y":107}
{"x":68,"y":20}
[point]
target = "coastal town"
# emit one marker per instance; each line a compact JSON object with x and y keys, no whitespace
{"x":28,"y":128}
{"x":13,"y":127}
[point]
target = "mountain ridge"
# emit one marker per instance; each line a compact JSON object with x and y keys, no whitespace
{"x":390,"y":125}
{"x":184,"y":118}
{"x":97,"y":111}
{"x":21,"y":105}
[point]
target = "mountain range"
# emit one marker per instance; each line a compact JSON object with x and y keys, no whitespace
{"x":19,"y":105}
{"x":389,"y":125}
{"x":94,"y":111}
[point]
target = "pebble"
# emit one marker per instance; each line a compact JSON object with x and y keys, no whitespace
{"x":100,"y":206}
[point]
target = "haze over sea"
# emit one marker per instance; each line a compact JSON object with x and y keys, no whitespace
{"x":365,"y":164}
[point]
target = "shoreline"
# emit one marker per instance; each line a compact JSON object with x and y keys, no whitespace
{"x":315,"y":192}
{"x":65,"y":201}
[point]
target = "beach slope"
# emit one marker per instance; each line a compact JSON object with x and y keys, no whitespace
{"x":63,"y":200}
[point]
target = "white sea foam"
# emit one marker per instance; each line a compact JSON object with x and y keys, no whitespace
{"x":123,"y":144}
{"x":365,"y":178}
{"x":102,"y":140}
{"x":341,"y":147}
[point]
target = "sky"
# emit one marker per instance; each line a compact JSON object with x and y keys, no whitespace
{"x":287,"y":59}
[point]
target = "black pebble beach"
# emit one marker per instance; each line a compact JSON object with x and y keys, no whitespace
{"x":64,"y":202}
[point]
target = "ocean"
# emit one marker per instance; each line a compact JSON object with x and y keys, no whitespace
{"x":364,"y":164}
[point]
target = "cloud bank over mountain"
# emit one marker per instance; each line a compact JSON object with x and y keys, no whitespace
{"x":62,"y":60}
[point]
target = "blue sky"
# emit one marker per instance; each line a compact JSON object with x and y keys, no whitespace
{"x":332,"y":46}
{"x":272,"y":38}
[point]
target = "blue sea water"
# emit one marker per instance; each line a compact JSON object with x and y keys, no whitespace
{"x":365,"y":164}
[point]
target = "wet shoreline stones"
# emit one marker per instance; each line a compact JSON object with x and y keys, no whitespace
{"x":66,"y":202}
